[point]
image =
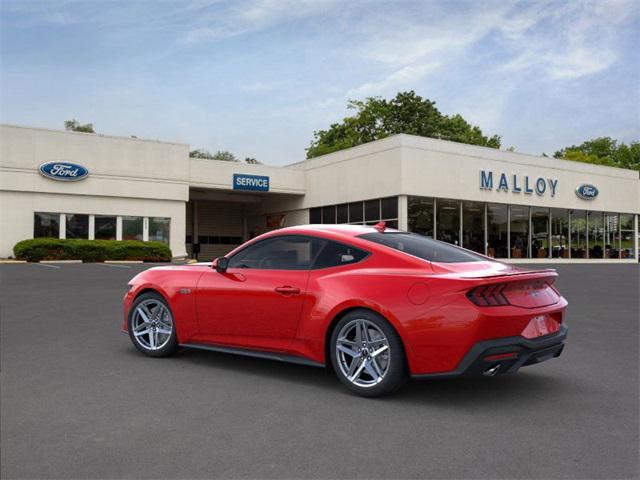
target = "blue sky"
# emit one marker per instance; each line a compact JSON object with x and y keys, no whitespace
{"x":257,"y":77}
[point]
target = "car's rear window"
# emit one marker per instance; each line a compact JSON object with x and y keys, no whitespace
{"x":423,"y":247}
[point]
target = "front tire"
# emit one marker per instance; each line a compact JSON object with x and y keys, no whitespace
{"x":151,"y":326}
{"x":367,"y":354}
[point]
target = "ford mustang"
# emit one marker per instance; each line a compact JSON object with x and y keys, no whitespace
{"x":373,"y":304}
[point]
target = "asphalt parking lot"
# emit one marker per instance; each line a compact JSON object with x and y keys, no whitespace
{"x":78,"y":401}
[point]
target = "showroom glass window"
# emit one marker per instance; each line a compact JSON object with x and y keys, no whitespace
{"x":540,"y":247}
{"x":389,"y":209}
{"x":342,"y":213}
{"x":626,"y":236}
{"x":159,"y":228}
{"x":420,"y":215}
{"x":559,"y":233}
{"x":356,"y":212}
{"x":46,"y":225}
{"x":315,"y":215}
{"x":381,"y":209}
{"x":288,"y":252}
{"x":578,"y":234}
{"x":519,"y":231}
{"x":448,"y":221}
{"x":77,"y":226}
{"x":595,"y":237}
{"x":329,"y":214}
{"x":367,"y":212}
{"x":105,"y":227}
{"x":611,"y":235}
{"x":372,"y":211}
{"x":473,"y":226}
{"x":497,"y":230}
{"x":132,"y":228}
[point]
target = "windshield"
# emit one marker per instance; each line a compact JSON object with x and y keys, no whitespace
{"x":423,"y":247}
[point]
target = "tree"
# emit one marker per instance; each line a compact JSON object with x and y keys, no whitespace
{"x":75,"y":126}
{"x":219,"y":155}
{"x":377,"y":118}
{"x":604,"y":151}
{"x":224,"y":156}
{"x":201,"y":153}
{"x":252,"y":161}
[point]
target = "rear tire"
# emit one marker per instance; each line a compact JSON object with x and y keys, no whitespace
{"x":367,"y":354}
{"x":151,"y":325}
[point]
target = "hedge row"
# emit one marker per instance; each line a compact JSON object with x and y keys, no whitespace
{"x":36,"y":249}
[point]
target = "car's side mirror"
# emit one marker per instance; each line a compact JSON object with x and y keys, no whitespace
{"x":221,"y":264}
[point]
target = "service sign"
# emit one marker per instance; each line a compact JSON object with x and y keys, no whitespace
{"x":257,"y":183}
{"x":586,"y":191}
{"x":63,"y":171}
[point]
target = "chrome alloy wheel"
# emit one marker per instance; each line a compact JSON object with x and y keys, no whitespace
{"x":363,"y":353}
{"x":152,"y":324}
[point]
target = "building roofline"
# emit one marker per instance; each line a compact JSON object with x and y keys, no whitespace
{"x":432,"y":144}
{"x":117,"y":137}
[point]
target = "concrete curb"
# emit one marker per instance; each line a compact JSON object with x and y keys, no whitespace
{"x":123,"y":261}
{"x":60,"y":261}
{"x":7,"y":261}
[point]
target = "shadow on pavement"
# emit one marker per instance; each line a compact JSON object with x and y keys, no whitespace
{"x":480,"y":391}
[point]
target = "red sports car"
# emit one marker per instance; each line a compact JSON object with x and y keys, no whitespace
{"x":376,"y":305}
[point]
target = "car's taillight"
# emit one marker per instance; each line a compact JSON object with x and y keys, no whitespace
{"x":489,"y":296}
{"x":522,"y":293}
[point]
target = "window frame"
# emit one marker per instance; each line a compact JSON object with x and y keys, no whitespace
{"x":312,"y":265}
{"x":98,"y":216}
{"x":53,"y":215}
{"x":327,"y":241}
{"x":67,"y":219}
{"x":271,"y":239}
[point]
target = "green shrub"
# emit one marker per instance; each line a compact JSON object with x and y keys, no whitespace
{"x":36,"y":249}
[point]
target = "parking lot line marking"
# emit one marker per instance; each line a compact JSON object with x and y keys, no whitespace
{"x":114,"y":265}
{"x":47,"y":265}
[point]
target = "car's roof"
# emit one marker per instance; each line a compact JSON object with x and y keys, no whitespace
{"x":339,"y":230}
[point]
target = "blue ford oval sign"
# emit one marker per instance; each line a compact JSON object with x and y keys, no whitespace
{"x":586,"y":191}
{"x":63,"y":171}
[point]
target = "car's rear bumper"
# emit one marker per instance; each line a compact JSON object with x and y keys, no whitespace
{"x":506,"y":355}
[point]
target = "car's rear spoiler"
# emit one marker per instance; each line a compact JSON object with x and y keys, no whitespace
{"x":547,"y":272}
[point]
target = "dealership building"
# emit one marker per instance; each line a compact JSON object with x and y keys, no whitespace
{"x":511,"y":206}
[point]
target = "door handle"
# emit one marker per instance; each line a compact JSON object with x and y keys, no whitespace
{"x":287,"y":290}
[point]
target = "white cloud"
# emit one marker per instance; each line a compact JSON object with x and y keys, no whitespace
{"x":564,"y":41}
{"x":400,"y":79}
{"x":250,"y":16}
{"x":404,"y":39}
{"x":485,"y":60}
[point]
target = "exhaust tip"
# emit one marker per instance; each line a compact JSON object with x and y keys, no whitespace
{"x":491,"y":371}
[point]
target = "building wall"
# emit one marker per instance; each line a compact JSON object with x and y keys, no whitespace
{"x":218,"y":175}
{"x":17,"y":210}
{"x":126,"y":177}
{"x":411,"y":165}
{"x":151,"y":178}
{"x":408,"y":166}
{"x":219,"y":220}
{"x":450,"y":170}
{"x":367,"y":171}
{"x":257,"y":222}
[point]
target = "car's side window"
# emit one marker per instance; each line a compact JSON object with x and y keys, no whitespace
{"x":287,"y":252}
{"x":334,"y":254}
